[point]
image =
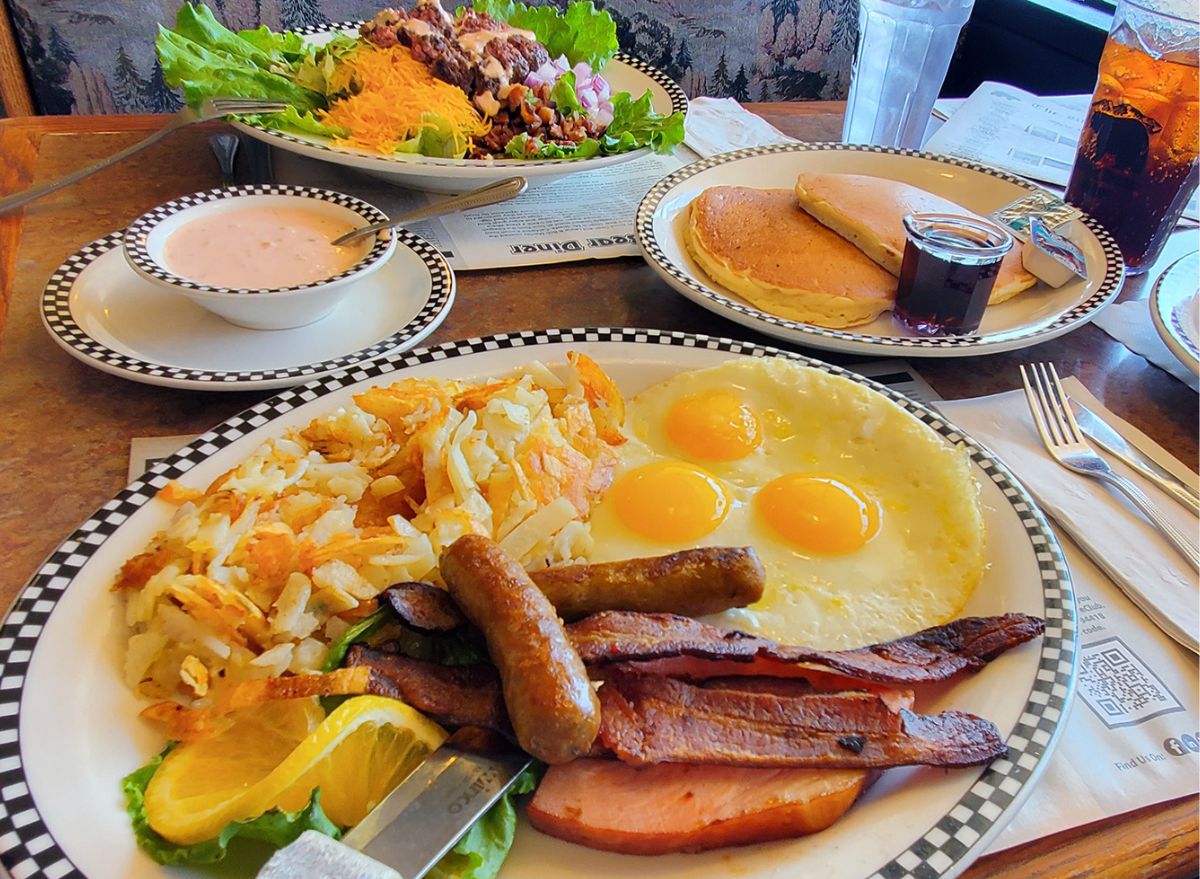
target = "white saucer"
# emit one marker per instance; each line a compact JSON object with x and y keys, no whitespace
{"x":1175,"y":308}
{"x":98,"y":309}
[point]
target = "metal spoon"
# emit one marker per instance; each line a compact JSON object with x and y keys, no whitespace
{"x":493,"y":193}
{"x":224,"y":147}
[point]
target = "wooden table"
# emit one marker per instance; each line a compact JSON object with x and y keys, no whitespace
{"x":65,"y":429}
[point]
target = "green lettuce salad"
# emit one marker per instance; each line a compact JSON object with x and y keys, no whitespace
{"x":205,"y":59}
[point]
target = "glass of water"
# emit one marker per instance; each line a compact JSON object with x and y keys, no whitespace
{"x":904,"y":49}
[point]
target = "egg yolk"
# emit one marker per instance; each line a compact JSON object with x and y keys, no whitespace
{"x":818,"y":513}
{"x":669,"y":501}
{"x":713,"y":426}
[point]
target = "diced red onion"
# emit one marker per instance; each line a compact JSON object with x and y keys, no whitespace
{"x":591,"y":88}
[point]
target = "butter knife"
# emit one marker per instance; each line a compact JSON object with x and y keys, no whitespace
{"x":419,"y":821}
{"x":1112,"y":442}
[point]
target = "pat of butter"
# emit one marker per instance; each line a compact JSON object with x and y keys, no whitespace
{"x":1051,"y":255}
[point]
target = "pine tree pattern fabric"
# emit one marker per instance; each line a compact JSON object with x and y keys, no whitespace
{"x":97,"y":56}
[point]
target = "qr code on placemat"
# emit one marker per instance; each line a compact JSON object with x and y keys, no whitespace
{"x":1119,"y":687}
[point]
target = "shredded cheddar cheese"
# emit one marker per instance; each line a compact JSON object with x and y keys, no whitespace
{"x":392,"y":97}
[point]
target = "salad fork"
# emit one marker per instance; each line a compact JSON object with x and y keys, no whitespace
{"x":1065,"y":441}
{"x":210,"y":108}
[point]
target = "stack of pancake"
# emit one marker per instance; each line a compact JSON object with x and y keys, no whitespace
{"x":827,"y":254}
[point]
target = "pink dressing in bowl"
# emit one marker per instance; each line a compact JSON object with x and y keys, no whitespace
{"x":261,"y":248}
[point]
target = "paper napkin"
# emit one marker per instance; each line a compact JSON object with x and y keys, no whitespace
{"x":1129,"y":738}
{"x":1130,"y":324}
{"x":1129,"y":549}
{"x":720,"y":125}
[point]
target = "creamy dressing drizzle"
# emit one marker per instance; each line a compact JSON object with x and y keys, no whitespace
{"x":261,"y":248}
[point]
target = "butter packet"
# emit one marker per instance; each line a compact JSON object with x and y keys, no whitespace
{"x":1051,"y":256}
{"x":1047,"y":206}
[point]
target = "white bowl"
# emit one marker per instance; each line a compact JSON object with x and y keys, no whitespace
{"x":257,"y":309}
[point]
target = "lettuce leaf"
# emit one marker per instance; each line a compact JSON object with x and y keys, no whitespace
{"x":292,"y":119}
{"x":360,"y":631}
{"x":518,"y":148}
{"x":285,"y":47}
{"x":316,"y":67}
{"x":481,"y":851}
{"x":582,"y":33}
{"x":564,"y":97}
{"x":635,"y":124}
{"x":207,"y":60}
{"x":437,"y":138}
{"x":276,"y":827}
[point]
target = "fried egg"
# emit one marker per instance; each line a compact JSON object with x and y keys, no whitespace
{"x":868,"y":523}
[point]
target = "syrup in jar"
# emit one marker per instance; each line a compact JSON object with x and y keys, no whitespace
{"x":950,"y":266}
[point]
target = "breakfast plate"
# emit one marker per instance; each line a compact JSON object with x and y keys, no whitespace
{"x":101,"y":312}
{"x":70,"y":723}
{"x":1031,"y":317}
{"x":624,"y":73}
{"x":1175,"y":308}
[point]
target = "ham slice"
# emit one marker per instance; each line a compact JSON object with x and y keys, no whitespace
{"x":651,"y":719}
{"x":653,"y":810}
{"x":931,"y":655}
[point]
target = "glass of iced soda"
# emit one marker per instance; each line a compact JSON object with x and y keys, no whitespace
{"x":1137,"y":162}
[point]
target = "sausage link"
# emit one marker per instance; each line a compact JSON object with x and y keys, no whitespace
{"x":554,"y":711}
{"x":693,"y":583}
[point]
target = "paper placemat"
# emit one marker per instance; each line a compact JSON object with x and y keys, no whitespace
{"x":586,"y":215}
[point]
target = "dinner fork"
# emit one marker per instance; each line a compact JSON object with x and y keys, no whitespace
{"x":1062,"y":437}
{"x":210,"y":108}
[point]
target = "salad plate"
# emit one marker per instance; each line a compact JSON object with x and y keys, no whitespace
{"x":1034,"y":316}
{"x":434,"y":100}
{"x":71,"y":726}
{"x":101,"y":312}
{"x":1175,"y":309}
{"x":624,"y":72}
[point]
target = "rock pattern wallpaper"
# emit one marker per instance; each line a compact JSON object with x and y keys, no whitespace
{"x":97,"y":56}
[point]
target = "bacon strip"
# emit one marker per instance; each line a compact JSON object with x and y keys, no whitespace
{"x":453,"y":695}
{"x":673,"y":642}
{"x":650,"y":719}
{"x":423,"y":607}
{"x":931,"y":655}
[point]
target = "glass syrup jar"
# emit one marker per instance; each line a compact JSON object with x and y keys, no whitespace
{"x":950,"y":266}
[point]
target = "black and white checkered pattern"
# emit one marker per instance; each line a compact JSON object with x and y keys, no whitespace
{"x":59,"y":321}
{"x":134,"y":239}
{"x":968,"y":345}
{"x":679,"y":104}
{"x":28,"y":850}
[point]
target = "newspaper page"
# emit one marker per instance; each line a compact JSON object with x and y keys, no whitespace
{"x":1008,"y":128}
{"x":585,"y":215}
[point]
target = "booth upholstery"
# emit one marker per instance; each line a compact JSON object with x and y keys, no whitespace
{"x":97,"y":56}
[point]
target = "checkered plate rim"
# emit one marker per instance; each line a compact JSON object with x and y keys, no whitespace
{"x":1106,"y":291}
{"x":679,"y":104}
{"x":60,"y":323}
{"x":1172,"y":314}
{"x":29,"y":851}
{"x":134,"y":239}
